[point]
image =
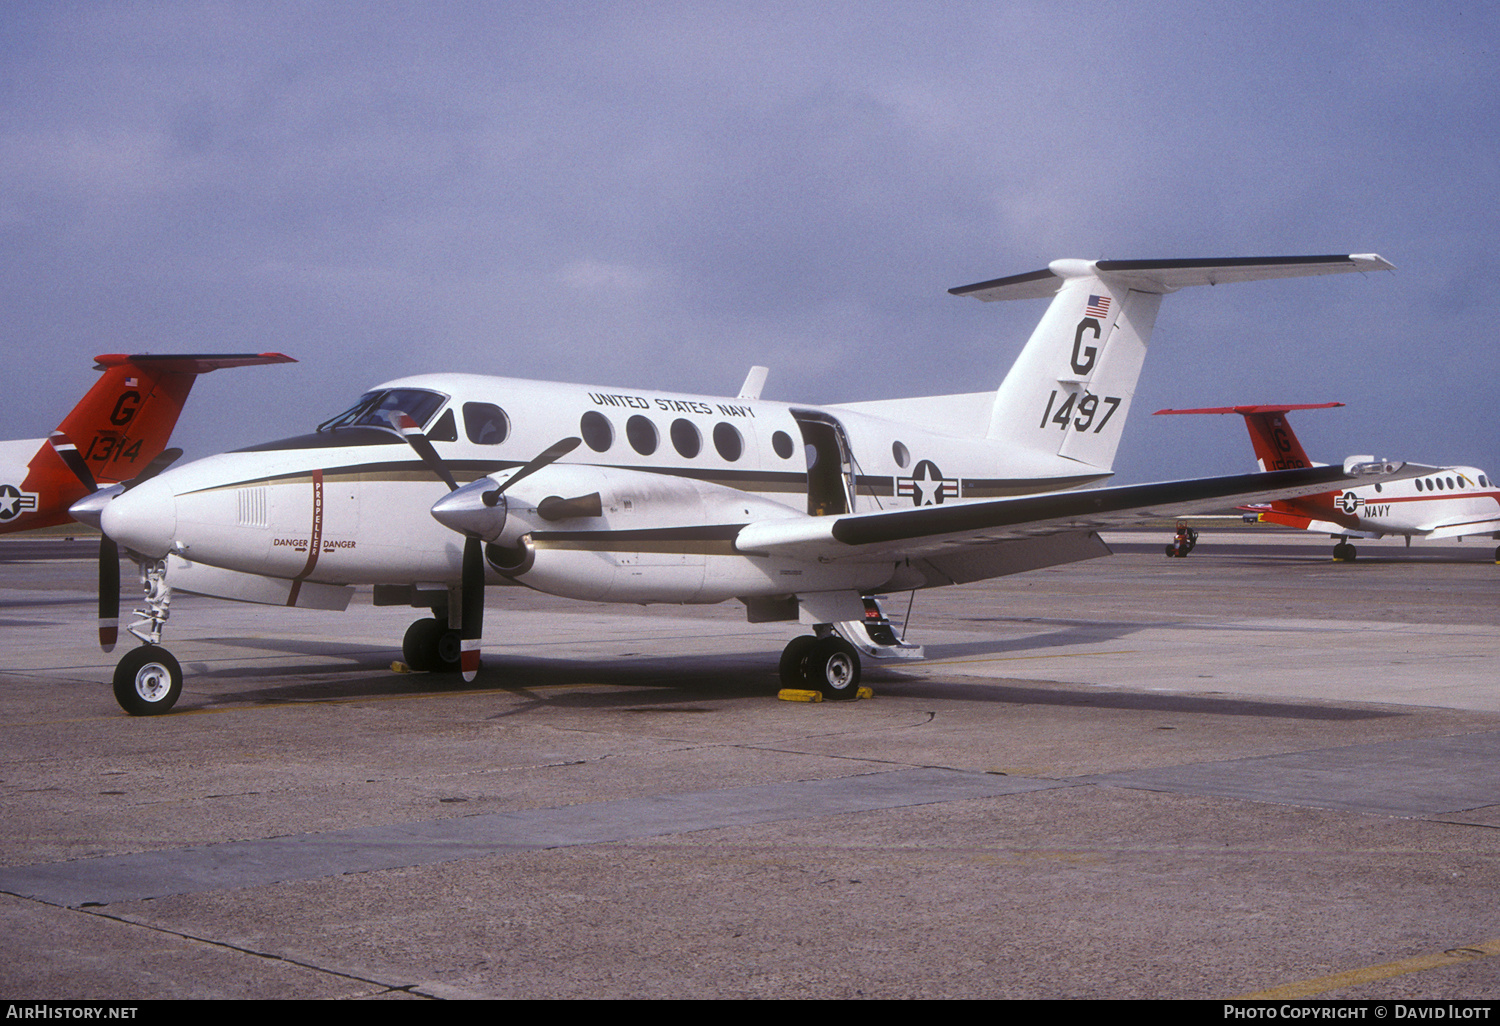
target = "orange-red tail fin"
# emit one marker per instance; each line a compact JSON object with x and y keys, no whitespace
{"x":1276,"y":444}
{"x":120,"y":425}
{"x":125,"y":420}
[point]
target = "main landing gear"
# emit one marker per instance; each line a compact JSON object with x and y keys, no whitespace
{"x":825,"y":663}
{"x":148,"y":680}
{"x":829,"y":660}
{"x":1186,"y":539}
{"x":431,"y":644}
{"x":1343,"y":552}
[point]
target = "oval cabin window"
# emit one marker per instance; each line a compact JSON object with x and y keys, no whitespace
{"x":685,"y":438}
{"x":596,"y":431}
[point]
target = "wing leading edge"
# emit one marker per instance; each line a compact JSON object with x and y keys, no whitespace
{"x":941,"y":530}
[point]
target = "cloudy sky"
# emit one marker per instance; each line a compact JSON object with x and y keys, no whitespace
{"x":662,"y":194}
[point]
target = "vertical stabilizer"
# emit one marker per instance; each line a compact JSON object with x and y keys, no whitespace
{"x":1069,"y":391}
{"x":1276,"y":444}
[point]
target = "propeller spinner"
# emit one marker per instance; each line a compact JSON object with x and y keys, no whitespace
{"x":477,"y":511}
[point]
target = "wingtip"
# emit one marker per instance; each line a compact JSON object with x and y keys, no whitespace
{"x":1371,"y":262}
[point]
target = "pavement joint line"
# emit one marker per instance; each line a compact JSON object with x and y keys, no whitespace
{"x":382,"y":987}
{"x":1370,"y":974}
{"x":255,"y":862}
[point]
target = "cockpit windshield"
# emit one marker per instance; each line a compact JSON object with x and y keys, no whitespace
{"x":417,"y":403}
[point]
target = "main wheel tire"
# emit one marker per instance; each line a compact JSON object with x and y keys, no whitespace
{"x":793,"y":667}
{"x":148,"y":681}
{"x":832,"y":667}
{"x":419,"y":646}
{"x":431,"y":645}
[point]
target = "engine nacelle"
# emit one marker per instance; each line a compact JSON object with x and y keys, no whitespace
{"x":610,"y":534}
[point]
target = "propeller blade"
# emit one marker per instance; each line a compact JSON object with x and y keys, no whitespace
{"x":64,"y":447}
{"x":88,"y":511}
{"x":109,"y":593}
{"x":549,"y":455}
{"x":162,"y":461}
{"x":410,"y":431}
{"x":555,"y":507}
{"x":471,"y":630}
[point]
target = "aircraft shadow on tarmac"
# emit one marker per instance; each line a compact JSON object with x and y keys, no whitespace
{"x":1094,"y":632}
{"x":682,"y":683}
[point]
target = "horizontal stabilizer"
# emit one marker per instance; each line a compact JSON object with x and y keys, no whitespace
{"x":190,"y":363}
{"x":1247,"y":410}
{"x":1163,"y":276}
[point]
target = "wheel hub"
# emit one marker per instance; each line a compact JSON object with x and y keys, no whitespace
{"x":153,"y":681}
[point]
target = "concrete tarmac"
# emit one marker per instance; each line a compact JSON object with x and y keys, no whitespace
{"x":1253,"y":771}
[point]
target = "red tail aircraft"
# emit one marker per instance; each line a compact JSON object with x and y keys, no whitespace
{"x":114,"y":433}
{"x":1451,"y":502}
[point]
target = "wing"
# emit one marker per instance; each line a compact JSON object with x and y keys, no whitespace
{"x":1000,"y":536}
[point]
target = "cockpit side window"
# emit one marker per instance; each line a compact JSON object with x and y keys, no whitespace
{"x":417,"y":403}
{"x":485,"y":423}
{"x":442,"y":429}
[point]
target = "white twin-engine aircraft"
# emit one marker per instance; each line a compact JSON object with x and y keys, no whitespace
{"x":432,"y":487}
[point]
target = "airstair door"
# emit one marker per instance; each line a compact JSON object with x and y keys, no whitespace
{"x":830,"y":469}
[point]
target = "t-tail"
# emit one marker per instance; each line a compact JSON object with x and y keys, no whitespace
{"x":1276,"y":444}
{"x":1069,"y":392}
{"x":125,"y":420}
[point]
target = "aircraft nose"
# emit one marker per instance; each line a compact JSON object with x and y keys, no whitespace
{"x":143,"y":519}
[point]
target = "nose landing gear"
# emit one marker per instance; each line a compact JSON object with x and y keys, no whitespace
{"x":148,"y":680}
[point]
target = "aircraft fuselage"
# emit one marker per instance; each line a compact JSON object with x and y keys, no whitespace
{"x":677,"y":476}
{"x":1450,"y":502}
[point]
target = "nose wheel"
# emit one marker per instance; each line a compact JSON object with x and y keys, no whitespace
{"x":148,"y":681}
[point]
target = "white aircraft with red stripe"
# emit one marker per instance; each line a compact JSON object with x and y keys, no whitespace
{"x":1445,"y":502}
{"x":431,"y":488}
